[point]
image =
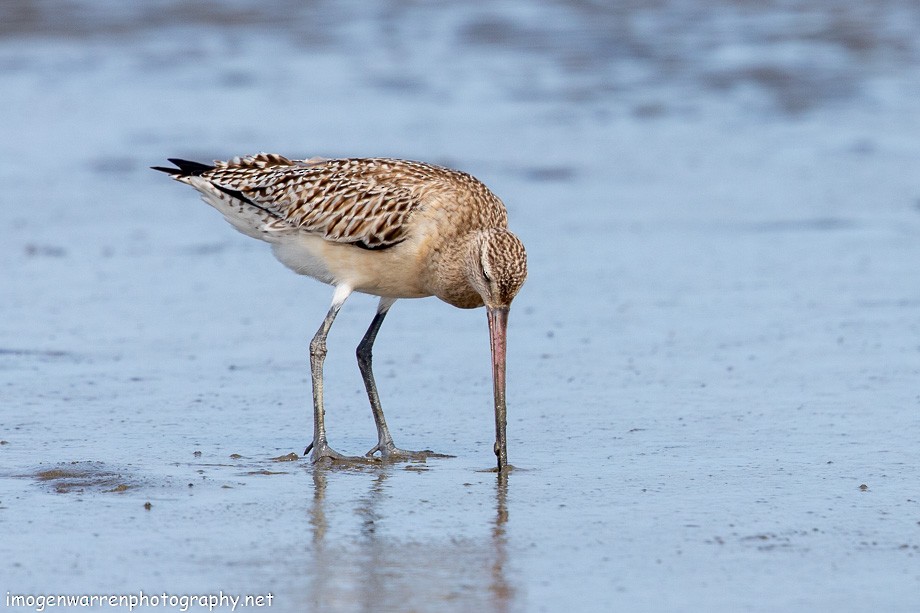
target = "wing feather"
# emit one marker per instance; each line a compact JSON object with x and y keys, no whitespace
{"x":366,"y":202}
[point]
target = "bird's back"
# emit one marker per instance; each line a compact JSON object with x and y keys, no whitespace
{"x":365,"y":202}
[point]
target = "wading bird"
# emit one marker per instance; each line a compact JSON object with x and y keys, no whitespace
{"x":386,"y":227}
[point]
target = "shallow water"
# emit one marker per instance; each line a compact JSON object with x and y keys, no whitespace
{"x":717,"y":348}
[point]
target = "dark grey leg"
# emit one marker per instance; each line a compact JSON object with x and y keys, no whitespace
{"x":384,"y":445}
{"x":365,"y":358}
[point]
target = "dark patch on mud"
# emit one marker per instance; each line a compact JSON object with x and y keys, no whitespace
{"x":83,"y":19}
{"x":85,"y":476}
{"x":818,"y":224}
{"x":793,"y":89}
{"x":33,"y":250}
{"x":549,"y":174}
{"x":418,"y":468}
{"x":204,"y":249}
{"x":39,"y":353}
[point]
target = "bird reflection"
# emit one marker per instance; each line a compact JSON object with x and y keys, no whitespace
{"x":499,"y":587}
{"x":317,"y":513}
{"x":364,"y":566}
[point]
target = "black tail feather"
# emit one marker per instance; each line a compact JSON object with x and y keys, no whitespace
{"x":186,"y":168}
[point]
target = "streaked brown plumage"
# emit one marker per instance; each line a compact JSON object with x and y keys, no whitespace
{"x":387,"y":227}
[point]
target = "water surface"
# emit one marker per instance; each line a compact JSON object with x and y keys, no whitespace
{"x":713,"y":367}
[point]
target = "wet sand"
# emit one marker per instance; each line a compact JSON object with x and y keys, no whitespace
{"x":712,"y":369}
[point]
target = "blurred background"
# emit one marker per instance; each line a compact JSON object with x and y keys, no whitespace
{"x":717,"y":344}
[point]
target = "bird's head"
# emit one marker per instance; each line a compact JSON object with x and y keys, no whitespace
{"x":499,"y":267}
{"x":496,"y":271}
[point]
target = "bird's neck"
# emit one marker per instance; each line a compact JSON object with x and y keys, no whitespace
{"x":449,"y":277}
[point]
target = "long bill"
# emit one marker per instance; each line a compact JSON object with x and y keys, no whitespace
{"x":498,"y":325}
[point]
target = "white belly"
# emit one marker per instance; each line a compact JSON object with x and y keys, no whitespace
{"x":392,"y":272}
{"x":301,"y":255}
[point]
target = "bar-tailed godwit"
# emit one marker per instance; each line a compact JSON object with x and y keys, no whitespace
{"x":386,"y":227}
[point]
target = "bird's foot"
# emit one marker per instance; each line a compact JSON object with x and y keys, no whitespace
{"x":323,"y":450}
{"x":391,"y":453}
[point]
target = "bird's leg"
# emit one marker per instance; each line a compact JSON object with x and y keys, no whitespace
{"x":320,"y":446}
{"x":385,"y":446}
{"x":365,"y":358}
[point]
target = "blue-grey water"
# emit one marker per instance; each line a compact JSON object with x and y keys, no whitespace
{"x":714,"y":367}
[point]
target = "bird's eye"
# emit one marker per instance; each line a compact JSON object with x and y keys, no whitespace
{"x":485,"y":272}
{"x":484,"y":265}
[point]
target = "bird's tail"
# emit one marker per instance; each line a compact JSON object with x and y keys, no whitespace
{"x":185,"y":168}
{"x":243,"y":214}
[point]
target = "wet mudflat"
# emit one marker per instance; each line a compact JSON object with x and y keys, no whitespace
{"x":713,"y":368}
